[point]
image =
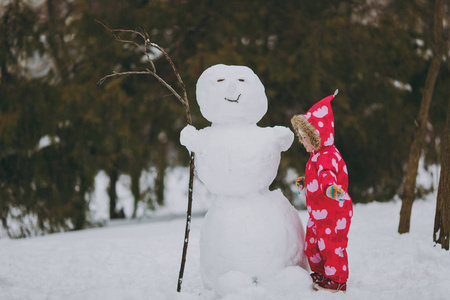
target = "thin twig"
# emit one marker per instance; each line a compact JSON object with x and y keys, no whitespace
{"x":183,"y":99}
{"x":169,"y":87}
{"x":171,"y":63}
{"x":114,"y":74}
{"x":144,"y":35}
{"x":180,"y":81}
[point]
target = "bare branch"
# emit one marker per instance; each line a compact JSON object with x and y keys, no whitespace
{"x":120,"y":30}
{"x":147,"y":72}
{"x":114,"y":74}
{"x":184,"y":100}
{"x":180,"y":81}
{"x":168,"y":86}
{"x":171,"y":64}
{"x":144,"y":49}
{"x":144,"y":35}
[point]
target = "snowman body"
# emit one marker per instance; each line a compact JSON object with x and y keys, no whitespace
{"x":236,"y":160}
{"x":248,"y":229}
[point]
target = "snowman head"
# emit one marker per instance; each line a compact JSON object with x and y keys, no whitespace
{"x":231,"y":95}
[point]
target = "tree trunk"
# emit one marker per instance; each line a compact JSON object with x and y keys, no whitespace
{"x":112,"y":193}
{"x":409,"y":188}
{"x":135,"y":175}
{"x":442,"y":218}
{"x":161,"y":166}
{"x":80,"y":206}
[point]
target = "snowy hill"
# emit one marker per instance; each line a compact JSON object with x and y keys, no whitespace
{"x":141,"y":261}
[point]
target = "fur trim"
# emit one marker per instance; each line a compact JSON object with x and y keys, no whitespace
{"x":299,"y":123}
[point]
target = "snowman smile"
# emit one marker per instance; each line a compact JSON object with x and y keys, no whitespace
{"x":234,"y":100}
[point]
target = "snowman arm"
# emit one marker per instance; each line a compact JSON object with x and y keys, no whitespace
{"x":189,"y":137}
{"x":284,"y":137}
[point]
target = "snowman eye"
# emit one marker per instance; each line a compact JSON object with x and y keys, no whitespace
{"x":220,"y":80}
{"x":241,"y":79}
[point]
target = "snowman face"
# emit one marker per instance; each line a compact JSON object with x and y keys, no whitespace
{"x":231,"y":95}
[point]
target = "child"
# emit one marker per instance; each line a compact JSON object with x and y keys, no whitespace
{"x":328,"y":203}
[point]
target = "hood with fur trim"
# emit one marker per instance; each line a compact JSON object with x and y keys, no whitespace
{"x":317,"y":124}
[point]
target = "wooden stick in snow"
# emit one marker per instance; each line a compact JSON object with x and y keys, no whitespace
{"x":183,"y":99}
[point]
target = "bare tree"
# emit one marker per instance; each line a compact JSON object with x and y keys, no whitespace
{"x":409,"y":188}
{"x":183,"y":99}
{"x":441,"y":234}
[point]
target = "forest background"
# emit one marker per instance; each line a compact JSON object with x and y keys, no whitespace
{"x":59,"y":129}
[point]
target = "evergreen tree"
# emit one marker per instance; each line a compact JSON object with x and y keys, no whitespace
{"x":52,"y":55}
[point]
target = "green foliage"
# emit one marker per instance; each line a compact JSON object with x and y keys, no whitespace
{"x":301,"y":50}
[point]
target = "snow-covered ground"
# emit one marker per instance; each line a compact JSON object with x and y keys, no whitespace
{"x":141,"y":261}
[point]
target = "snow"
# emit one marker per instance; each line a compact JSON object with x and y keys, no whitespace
{"x":46,"y":141}
{"x":141,"y":261}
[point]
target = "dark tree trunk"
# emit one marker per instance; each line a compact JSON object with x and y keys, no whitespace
{"x":441,"y":234}
{"x":409,"y":188}
{"x":112,"y":193}
{"x":135,"y":186}
{"x":80,"y":206}
{"x":161,"y":166}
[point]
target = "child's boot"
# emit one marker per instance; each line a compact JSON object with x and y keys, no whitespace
{"x":330,"y":285}
{"x":317,"y":277}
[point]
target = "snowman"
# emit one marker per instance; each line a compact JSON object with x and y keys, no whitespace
{"x":249,"y":232}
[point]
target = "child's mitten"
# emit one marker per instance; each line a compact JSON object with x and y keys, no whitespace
{"x":300,"y":182}
{"x":335,"y":192}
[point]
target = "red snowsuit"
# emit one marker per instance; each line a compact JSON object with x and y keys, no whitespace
{"x":329,"y":222}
